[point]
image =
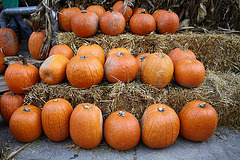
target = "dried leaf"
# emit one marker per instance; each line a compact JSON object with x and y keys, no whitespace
{"x":202,"y":12}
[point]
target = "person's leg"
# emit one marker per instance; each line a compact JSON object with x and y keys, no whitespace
{"x":26,"y":28}
{"x":13,"y":25}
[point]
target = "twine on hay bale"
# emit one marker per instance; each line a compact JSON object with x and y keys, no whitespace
{"x":221,"y":90}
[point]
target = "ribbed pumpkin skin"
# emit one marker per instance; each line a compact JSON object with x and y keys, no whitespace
{"x":97,"y":9}
{"x":112,"y":23}
{"x":65,"y":16}
{"x":2,"y":66}
{"x":121,"y":68}
{"x":189,"y":72}
{"x":198,"y":124}
{"x":118,"y":7}
{"x":9,"y":102}
{"x":8,"y":42}
{"x":142,"y":24}
{"x":55,"y":119}
{"x":93,"y":50}
{"x":139,"y":10}
{"x":122,"y":133}
{"x":140,"y":58}
{"x":62,"y":50}
{"x":157,"y":12}
{"x":178,"y":54}
{"x":84,"y":73}
{"x":157,"y":70}
{"x":53,"y":69}
{"x":159,"y":129}
{"x":18,"y":77}
{"x":26,"y":126}
{"x":116,"y":50}
{"x":167,"y":22}
{"x":86,"y":125}
{"x":84,"y":23}
{"x":35,"y":43}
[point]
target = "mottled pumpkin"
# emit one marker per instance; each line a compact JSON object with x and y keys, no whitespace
{"x":97,"y":9}
{"x":118,"y":6}
{"x":62,"y":50}
{"x":116,"y":50}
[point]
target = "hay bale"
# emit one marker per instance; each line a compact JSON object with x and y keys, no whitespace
{"x":221,"y":90}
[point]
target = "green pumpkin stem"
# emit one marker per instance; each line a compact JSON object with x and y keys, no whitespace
{"x":84,"y":11}
{"x":12,"y":93}
{"x":142,"y":58}
{"x":169,"y":11}
{"x":83,"y":57}
{"x":24,"y":62}
{"x":87,"y":107}
{"x":202,"y":105}
{"x":112,"y":10}
{"x":122,"y":114}
{"x":185,"y":47}
{"x":120,"y":54}
{"x":55,"y":100}
{"x":161,"y":110}
{"x":160,"y":55}
{"x":143,"y":11}
{"x":26,"y":109}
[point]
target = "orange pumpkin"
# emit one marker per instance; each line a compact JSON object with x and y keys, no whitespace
{"x":112,"y":23}
{"x":25,"y":123}
{"x":180,"y":53}
{"x":85,"y":23}
{"x":2,"y":62}
{"x":198,"y":121}
{"x":8,"y":42}
{"x":97,"y":9}
{"x":139,"y":10}
{"x":20,"y":76}
{"x":116,"y":50}
{"x":122,"y":130}
{"x":160,"y":126}
{"x":86,"y":125}
{"x":118,"y":6}
{"x":84,"y":71}
{"x":65,"y":16}
{"x":140,"y":58}
{"x":189,"y":72}
{"x":157,"y":70}
{"x":93,"y":50}
{"x":121,"y":67}
{"x":9,"y":102}
{"x":53,"y":69}
{"x":61,"y":49}
{"x":157,"y":12}
{"x":167,"y":22}
{"x":55,"y":119}
{"x":35,"y":43}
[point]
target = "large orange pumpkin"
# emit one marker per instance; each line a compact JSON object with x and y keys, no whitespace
{"x":160,"y":126}
{"x":2,"y":64}
{"x":198,"y":121}
{"x":53,"y":69}
{"x":97,"y":9}
{"x":61,"y":49}
{"x":85,"y":23}
{"x":55,"y":119}
{"x":35,"y":43}
{"x":116,"y":50}
{"x":25,"y":123}
{"x":8,"y":42}
{"x":189,"y":72}
{"x":157,"y":70}
{"x":84,"y":71}
{"x":65,"y":16}
{"x":118,"y":6}
{"x":140,"y":58}
{"x":93,"y":50}
{"x":122,"y":130}
{"x":112,"y":23}
{"x":121,"y":67}
{"x":9,"y":102}
{"x":20,"y":76}
{"x":86,"y":125}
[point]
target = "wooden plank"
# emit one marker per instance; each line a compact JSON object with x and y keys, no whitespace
{"x":3,"y":85}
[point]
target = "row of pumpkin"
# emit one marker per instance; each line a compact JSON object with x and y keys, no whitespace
{"x":160,"y":124}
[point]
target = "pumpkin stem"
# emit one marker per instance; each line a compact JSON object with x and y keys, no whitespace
{"x":84,"y":11}
{"x":202,"y":105}
{"x":83,"y":57}
{"x":112,"y":10}
{"x":161,"y":110}
{"x":169,"y":11}
{"x":143,"y":11}
{"x":24,"y":62}
{"x":142,"y":58}
{"x":13,"y":94}
{"x":55,"y":100}
{"x":160,"y":55}
{"x":120,"y":54}
{"x":87,"y":106}
{"x":26,"y":109}
{"x":185,"y":47}
{"x":122,"y":114}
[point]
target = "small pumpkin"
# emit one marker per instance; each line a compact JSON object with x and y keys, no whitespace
{"x":116,"y":50}
{"x":189,"y":72}
{"x":55,"y":119}
{"x":157,"y":12}
{"x":139,"y":10}
{"x":84,"y":71}
{"x":20,"y":76}
{"x":112,"y":23}
{"x":180,"y":53}
{"x":140,"y":58}
{"x":118,"y":6}
{"x":93,"y":50}
{"x":122,"y":130}
{"x":35,"y":43}
{"x":65,"y":16}
{"x":61,"y":49}
{"x":198,"y":121}
{"x":9,"y":102}
{"x":8,"y":42}
{"x":2,"y":62}
{"x":53,"y":69}
{"x":160,"y":126}
{"x":167,"y":22}
{"x":97,"y":9}
{"x":86,"y":125}
{"x":142,"y":23}
{"x":121,"y":67}
{"x":85,"y":23}
{"x":25,"y":123}
{"x":157,"y":70}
